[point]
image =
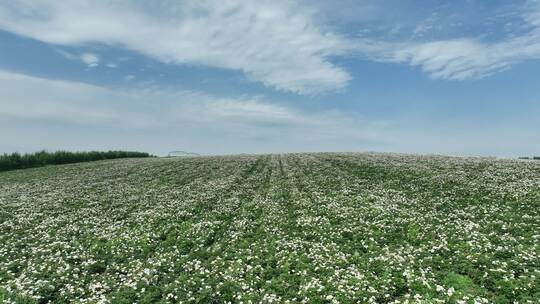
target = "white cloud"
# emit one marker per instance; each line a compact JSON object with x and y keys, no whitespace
{"x":90,"y":59}
{"x":86,"y":104}
{"x":463,"y":58}
{"x":172,"y":114}
{"x":275,"y":42}
{"x":532,"y":14}
{"x":457,"y":59}
{"x":283,"y":44}
{"x":426,"y":26}
{"x":37,"y":113}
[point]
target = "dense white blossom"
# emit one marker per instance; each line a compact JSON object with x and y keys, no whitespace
{"x":295,"y":228}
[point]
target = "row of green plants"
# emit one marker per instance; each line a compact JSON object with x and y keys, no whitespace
{"x":15,"y":161}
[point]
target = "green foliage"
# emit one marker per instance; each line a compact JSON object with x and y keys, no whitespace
{"x":22,"y":161}
{"x":295,"y":228}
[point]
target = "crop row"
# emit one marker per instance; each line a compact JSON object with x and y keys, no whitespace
{"x":294,"y":228}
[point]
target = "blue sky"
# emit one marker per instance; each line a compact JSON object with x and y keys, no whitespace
{"x":219,"y":77}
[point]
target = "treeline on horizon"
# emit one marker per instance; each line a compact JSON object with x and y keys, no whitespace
{"x":15,"y":161}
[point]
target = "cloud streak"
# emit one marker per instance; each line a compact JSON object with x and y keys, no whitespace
{"x":172,"y":113}
{"x":274,"y":42}
{"x":281,"y":44}
{"x":38,"y":113}
{"x":463,"y":58}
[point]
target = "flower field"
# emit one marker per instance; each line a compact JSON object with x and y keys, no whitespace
{"x":293,"y":228}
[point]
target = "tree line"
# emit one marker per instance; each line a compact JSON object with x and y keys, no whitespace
{"x":30,"y":160}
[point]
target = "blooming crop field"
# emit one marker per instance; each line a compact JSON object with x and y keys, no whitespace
{"x":294,"y":228}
